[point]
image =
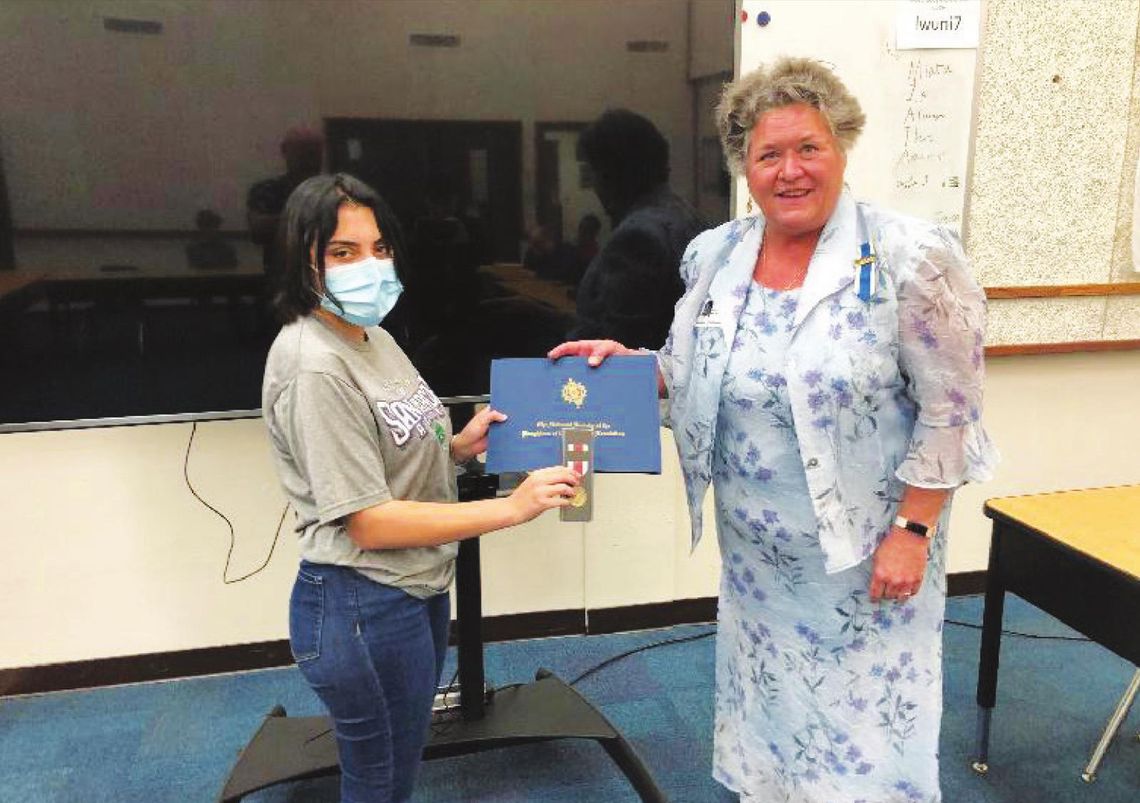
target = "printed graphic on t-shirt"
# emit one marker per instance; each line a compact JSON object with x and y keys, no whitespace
{"x":412,"y":415}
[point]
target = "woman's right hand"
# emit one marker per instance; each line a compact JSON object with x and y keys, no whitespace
{"x":542,"y":490}
{"x":595,"y":351}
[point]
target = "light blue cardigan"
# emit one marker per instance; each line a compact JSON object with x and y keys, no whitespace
{"x":884,"y":391}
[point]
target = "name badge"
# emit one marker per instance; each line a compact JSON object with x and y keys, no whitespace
{"x":707,"y":317}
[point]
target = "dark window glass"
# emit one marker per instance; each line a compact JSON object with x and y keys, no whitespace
{"x":145,"y":158}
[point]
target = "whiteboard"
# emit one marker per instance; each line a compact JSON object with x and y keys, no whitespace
{"x":913,"y":153}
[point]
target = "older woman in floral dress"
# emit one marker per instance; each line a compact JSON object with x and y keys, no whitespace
{"x":824,"y":373}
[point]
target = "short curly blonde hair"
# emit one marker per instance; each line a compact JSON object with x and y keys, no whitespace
{"x":786,"y":81}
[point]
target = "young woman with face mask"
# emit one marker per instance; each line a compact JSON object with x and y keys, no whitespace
{"x":365,"y":455}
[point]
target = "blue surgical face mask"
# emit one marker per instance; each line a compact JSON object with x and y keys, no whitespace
{"x":367,"y":290}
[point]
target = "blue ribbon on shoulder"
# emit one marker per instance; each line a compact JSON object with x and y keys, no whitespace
{"x":866,"y":265}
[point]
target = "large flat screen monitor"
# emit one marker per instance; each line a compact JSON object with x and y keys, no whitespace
{"x":147,"y":148}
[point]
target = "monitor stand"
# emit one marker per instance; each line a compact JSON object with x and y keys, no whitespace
{"x":288,"y":748}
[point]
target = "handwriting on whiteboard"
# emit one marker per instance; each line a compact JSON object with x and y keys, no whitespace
{"x":925,"y":164}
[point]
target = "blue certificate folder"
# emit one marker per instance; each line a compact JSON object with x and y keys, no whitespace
{"x":541,"y":397}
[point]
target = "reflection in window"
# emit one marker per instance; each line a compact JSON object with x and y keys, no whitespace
{"x":144,"y":164}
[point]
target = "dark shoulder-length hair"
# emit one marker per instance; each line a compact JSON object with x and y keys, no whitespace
{"x":308,"y":223}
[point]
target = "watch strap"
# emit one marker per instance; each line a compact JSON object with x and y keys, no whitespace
{"x":916,"y":527}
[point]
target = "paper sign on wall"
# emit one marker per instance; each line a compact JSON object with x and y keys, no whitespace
{"x":935,"y":24}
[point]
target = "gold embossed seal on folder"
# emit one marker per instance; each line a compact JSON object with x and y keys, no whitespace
{"x":574,"y":393}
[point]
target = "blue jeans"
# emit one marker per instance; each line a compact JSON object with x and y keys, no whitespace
{"x":373,"y":654}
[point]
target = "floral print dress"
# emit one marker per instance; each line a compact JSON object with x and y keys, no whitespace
{"x":821,"y":695}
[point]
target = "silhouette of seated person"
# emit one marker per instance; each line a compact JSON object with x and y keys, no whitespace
{"x":462,"y":320}
{"x":628,"y":291}
{"x":456,"y":360}
{"x":481,"y":248}
{"x":303,"y":150}
{"x":547,"y":256}
{"x":208,"y":250}
{"x":446,"y":260}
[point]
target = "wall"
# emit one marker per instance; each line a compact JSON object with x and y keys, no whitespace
{"x":1060,"y":421}
{"x":107,"y":553}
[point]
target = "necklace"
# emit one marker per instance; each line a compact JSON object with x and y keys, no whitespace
{"x":783,"y":283}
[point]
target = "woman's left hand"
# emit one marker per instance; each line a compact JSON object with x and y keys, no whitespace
{"x":898,"y":567}
{"x":472,"y":441}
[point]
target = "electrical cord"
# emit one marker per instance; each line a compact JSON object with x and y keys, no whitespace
{"x":620,"y":656}
{"x":442,"y":728}
{"x":226,"y":580}
{"x":614,"y":659}
{"x":1018,"y":633}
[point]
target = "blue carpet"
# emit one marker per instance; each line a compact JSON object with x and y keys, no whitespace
{"x":176,"y":741}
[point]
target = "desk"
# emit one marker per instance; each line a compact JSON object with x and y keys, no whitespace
{"x":130,"y":290}
{"x":13,"y":282}
{"x":157,"y":339}
{"x":517,"y":280}
{"x":1074,"y":555}
{"x":140,"y":284}
{"x":18,"y":290}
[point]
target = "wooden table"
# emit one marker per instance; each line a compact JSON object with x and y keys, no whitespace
{"x":145,"y":282}
{"x":1076,"y":556}
{"x":520,"y":281}
{"x":15,"y":284}
{"x":129,"y":290}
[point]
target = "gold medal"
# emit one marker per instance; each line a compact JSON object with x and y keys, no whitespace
{"x":579,"y":497}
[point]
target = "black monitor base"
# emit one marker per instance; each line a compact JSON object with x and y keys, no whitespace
{"x":295,"y":748}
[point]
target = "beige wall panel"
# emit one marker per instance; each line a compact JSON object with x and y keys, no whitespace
{"x":118,"y":557}
{"x":698,"y":570}
{"x":1122,"y":318}
{"x":1060,"y":421}
{"x":1052,"y":120}
{"x":639,"y":546}
{"x":108,"y":553}
{"x":1044,"y":320}
{"x":630,"y":557}
{"x":536,"y":566}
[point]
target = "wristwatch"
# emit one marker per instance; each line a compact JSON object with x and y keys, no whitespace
{"x":918,"y":528}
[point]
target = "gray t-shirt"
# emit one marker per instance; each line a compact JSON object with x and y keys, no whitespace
{"x":354,"y":425}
